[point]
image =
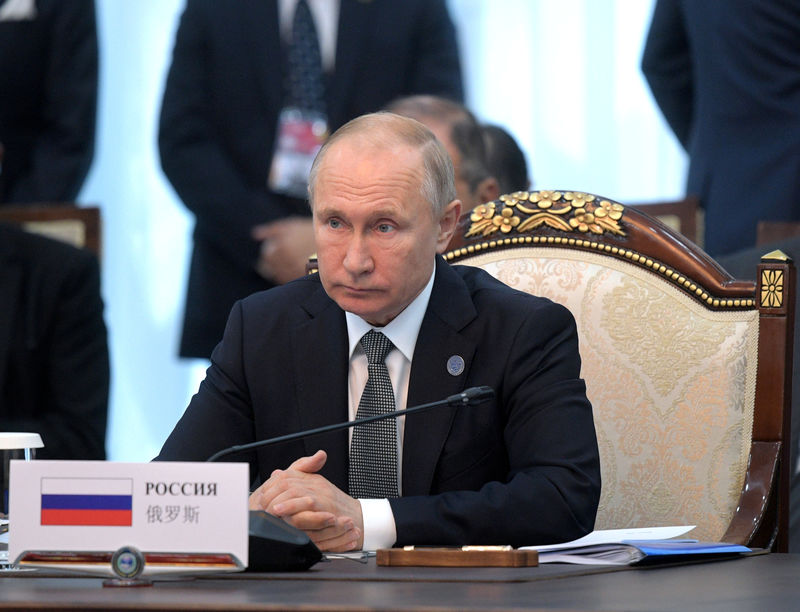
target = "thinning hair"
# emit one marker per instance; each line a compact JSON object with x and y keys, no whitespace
{"x":387,"y":130}
{"x":465,"y":131}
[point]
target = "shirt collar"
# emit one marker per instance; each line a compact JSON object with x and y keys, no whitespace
{"x":402,"y":330}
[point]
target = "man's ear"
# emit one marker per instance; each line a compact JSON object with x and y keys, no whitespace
{"x":488,"y":190}
{"x":448,"y":222}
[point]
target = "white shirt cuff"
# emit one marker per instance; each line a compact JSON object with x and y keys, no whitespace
{"x":379,"y":528}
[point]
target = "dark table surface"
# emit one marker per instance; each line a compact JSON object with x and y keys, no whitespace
{"x":763,"y":583}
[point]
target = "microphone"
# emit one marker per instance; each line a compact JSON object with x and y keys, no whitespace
{"x":471,"y":396}
{"x":274,"y":544}
{"x":468,"y":397}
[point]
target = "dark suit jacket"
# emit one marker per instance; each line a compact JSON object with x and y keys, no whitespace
{"x":726,"y":75}
{"x":220,"y":111}
{"x":54,"y":369}
{"x":521,"y":469}
{"x":48,"y":80}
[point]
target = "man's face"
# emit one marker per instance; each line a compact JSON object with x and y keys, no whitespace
{"x":376,"y":236}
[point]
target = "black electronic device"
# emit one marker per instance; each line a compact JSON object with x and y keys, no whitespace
{"x":277,"y":546}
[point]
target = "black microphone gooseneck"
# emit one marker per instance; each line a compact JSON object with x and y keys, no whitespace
{"x":275,"y":544}
{"x":471,"y":396}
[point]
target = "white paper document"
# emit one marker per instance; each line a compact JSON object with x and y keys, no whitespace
{"x":642,"y":546}
{"x":615,"y":536}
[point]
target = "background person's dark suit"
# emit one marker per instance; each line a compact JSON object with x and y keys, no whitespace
{"x":726,"y":75}
{"x":48,"y":97}
{"x":220,"y":113}
{"x":54,"y":370}
{"x":283,"y":367}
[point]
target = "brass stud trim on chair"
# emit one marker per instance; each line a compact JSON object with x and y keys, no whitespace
{"x":569,"y":211}
{"x":686,"y":284}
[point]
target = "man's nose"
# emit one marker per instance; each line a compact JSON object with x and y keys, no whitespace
{"x":357,"y":258}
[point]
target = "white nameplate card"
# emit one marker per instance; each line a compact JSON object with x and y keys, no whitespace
{"x":180,"y":516}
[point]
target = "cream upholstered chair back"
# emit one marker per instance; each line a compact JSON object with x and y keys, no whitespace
{"x":670,"y":355}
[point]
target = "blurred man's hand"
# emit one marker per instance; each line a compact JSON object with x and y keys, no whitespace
{"x":285,"y":248}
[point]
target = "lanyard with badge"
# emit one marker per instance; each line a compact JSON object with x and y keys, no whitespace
{"x":302,"y":123}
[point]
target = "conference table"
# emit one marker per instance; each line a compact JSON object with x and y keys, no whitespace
{"x":760,"y":582}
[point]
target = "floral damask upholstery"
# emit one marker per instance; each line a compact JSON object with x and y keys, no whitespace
{"x":671,"y":382}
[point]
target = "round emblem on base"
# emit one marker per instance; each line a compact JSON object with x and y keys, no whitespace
{"x":127,"y":562}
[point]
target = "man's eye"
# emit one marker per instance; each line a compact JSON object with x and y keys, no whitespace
{"x":334,"y":223}
{"x":385,"y":228}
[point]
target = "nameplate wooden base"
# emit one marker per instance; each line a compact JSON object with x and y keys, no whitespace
{"x":456,"y":557}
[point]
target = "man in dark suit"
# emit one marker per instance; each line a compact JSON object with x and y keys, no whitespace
{"x":725,"y":75}
{"x":219,"y":122}
{"x":521,"y":469}
{"x":48,"y":80}
{"x":54,"y":370}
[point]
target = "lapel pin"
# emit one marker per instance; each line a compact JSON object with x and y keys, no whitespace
{"x":455,"y":365}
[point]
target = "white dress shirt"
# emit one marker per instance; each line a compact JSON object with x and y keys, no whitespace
{"x":379,"y":526}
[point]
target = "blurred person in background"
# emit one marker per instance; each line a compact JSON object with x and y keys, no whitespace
{"x":253,"y":90}
{"x":48,"y":98}
{"x":461,"y":134}
{"x":54,"y":365}
{"x":726,"y":76}
{"x":505,"y":160}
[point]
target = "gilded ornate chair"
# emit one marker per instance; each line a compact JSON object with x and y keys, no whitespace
{"x":688,"y":370}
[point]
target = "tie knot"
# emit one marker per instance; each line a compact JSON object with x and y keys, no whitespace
{"x":376,"y":346}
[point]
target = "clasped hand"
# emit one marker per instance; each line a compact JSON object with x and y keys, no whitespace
{"x":305,"y":499}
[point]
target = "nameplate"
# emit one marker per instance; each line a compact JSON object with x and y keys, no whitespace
{"x":169,"y":511}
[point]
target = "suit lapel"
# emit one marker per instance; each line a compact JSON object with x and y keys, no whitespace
{"x":321,"y":375}
{"x":449,"y":310}
{"x":261,"y":33}
{"x":351,"y":30}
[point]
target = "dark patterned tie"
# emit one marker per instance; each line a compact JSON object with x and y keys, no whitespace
{"x":305,"y":85}
{"x":373,"y":449}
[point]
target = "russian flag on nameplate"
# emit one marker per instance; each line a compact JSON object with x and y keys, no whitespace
{"x":87,"y":501}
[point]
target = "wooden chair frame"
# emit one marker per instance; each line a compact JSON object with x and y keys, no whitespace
{"x":79,"y":226}
{"x":685,"y":212}
{"x":574,"y":220}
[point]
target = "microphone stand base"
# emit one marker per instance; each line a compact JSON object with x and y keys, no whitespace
{"x":126,"y":582}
